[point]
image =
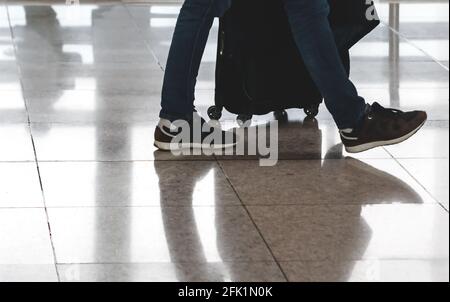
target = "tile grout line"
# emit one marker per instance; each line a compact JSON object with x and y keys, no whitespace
{"x":405,"y":38}
{"x":33,"y":143}
{"x":439,"y":203}
{"x":253,"y":221}
{"x":138,"y":29}
{"x":422,"y":186}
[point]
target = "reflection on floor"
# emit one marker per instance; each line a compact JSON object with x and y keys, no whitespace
{"x":79,"y":91}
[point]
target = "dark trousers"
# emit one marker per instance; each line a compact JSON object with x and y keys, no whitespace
{"x":314,"y":39}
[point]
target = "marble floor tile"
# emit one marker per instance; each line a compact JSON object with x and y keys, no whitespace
{"x":378,"y":46}
{"x":25,"y":238}
{"x":88,"y":68}
{"x":28,"y":273}
{"x":330,"y":182}
{"x":90,"y":106}
{"x":16,"y":143}
{"x":88,"y":80}
{"x":425,"y":25}
{"x":158,"y":183}
{"x":157,"y":22}
{"x":424,"y":74}
{"x":100,"y":142}
{"x":432,"y":100}
{"x":12,"y":84}
{"x":12,"y":107}
{"x":8,"y":63}
{"x":83,"y":56}
{"x":5,"y":38}
{"x":49,"y":33}
{"x":173,"y":272}
{"x":367,"y":271}
{"x":20,"y":185}
{"x":113,"y":84}
{"x":9,"y":77}
{"x":61,"y":11}
{"x":370,"y":232}
{"x":437,"y":49}
{"x":141,"y":235}
{"x":433,"y":174}
{"x":4,"y":24}
{"x":432,"y":141}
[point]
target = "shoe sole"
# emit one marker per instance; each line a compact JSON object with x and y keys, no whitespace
{"x":177,"y":147}
{"x":368,"y":146}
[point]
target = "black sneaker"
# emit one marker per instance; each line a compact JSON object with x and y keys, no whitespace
{"x":382,"y":127}
{"x":192,"y":134}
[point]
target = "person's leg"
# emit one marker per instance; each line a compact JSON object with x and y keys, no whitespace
{"x":177,"y":117}
{"x":188,"y":44}
{"x":362,"y":127}
{"x":316,"y":43}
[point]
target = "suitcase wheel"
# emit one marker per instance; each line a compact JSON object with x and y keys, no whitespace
{"x":214,"y":113}
{"x":311,"y":123}
{"x":244,"y":120}
{"x":280,"y":115}
{"x":312,"y":111}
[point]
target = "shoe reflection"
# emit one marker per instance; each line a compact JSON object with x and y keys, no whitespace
{"x":200,"y":234}
{"x":331,"y":179}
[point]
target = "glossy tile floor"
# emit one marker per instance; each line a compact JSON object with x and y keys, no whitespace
{"x":84,"y":196}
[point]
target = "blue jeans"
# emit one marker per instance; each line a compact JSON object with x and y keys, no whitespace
{"x":314,"y":39}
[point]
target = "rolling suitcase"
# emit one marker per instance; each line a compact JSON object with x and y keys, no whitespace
{"x":259,"y":68}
